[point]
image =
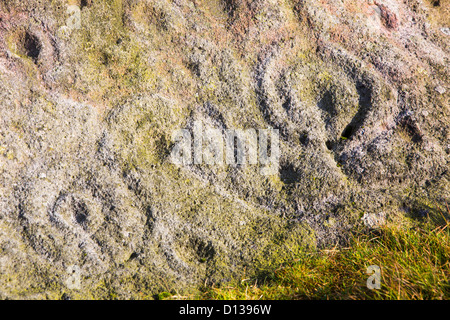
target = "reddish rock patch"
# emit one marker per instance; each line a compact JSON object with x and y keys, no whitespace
{"x":389,"y":18}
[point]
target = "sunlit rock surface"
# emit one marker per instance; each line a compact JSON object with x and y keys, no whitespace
{"x":91,"y":206}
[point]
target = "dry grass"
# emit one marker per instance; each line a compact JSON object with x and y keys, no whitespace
{"x":414,"y":261}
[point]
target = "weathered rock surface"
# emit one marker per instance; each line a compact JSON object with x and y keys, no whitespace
{"x":87,"y":115}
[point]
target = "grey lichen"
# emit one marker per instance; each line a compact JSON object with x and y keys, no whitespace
{"x":87,"y":116}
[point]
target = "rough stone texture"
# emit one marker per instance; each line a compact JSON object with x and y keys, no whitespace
{"x":87,"y":116}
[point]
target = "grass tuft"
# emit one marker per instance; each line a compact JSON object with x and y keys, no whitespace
{"x":414,"y":262}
